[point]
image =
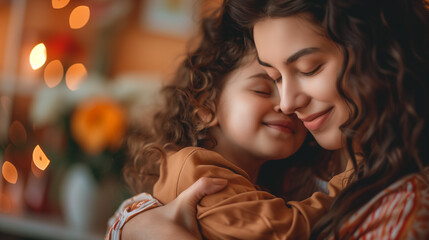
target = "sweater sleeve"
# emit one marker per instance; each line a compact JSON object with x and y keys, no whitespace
{"x":241,"y":210}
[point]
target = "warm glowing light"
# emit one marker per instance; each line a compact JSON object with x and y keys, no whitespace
{"x":17,"y":133}
{"x":79,"y":17}
{"x":38,"y":56}
{"x":75,"y":75}
{"x":57,"y":4}
{"x":9,"y":172}
{"x":40,"y":159}
{"x":53,"y":73}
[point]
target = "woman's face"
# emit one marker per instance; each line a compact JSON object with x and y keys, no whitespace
{"x":305,"y":66}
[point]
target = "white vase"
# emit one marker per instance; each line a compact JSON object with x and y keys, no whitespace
{"x":78,"y":195}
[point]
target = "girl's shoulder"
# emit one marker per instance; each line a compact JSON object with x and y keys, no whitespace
{"x":401,"y":211}
{"x":198,"y":155}
{"x":186,"y":151}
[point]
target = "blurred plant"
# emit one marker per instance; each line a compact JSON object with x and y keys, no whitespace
{"x":89,"y":125}
{"x":98,"y":124}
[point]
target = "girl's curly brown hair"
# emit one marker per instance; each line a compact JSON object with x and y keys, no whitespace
{"x":194,"y":89}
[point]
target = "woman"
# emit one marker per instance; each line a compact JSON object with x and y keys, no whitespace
{"x":356,"y":73}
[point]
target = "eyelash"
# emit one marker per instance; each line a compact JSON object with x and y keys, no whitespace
{"x":277,"y":80}
{"x":312,"y":72}
{"x":262,"y":93}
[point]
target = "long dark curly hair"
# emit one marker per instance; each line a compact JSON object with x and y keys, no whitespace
{"x":386,"y":45}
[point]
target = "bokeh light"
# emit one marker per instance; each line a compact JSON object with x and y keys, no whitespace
{"x":10,"y":174}
{"x":17,"y":133}
{"x":75,"y":75}
{"x":40,"y":159}
{"x":38,"y":56}
{"x":53,"y":73}
{"x":57,"y":4}
{"x":79,"y":17}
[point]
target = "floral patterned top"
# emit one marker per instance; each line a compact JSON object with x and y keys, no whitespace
{"x":401,"y":211}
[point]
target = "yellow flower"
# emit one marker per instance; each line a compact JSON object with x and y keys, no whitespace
{"x":97,"y":125}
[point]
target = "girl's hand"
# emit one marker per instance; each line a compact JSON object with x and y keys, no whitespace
{"x":177,"y":219}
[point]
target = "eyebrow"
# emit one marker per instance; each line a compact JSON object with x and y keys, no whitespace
{"x":294,"y":56}
{"x":260,"y":75}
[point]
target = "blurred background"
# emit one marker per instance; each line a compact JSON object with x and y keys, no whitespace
{"x":75,"y":78}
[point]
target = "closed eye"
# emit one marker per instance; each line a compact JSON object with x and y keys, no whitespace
{"x":262,"y":92}
{"x":312,"y":71}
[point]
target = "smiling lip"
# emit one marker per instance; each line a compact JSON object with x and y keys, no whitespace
{"x":281,"y":125}
{"x":315,"y":121}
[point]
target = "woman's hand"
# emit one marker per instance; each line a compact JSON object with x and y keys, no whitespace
{"x":177,"y":219}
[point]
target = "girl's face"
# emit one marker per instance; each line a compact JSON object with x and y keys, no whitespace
{"x":305,"y":66}
{"x":249,"y":121}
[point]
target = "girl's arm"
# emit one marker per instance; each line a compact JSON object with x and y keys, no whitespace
{"x":240,"y":211}
{"x":176,"y":220}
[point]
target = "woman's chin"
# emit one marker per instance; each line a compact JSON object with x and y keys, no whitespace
{"x":333,"y":140}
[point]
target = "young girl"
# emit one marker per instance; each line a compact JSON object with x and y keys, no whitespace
{"x":222,"y":119}
{"x":356,"y":73}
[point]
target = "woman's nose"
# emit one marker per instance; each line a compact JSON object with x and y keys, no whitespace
{"x":291,"y":97}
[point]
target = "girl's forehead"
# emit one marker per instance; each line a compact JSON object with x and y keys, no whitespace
{"x":247,"y":67}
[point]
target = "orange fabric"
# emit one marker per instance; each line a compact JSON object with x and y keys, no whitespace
{"x":241,"y":210}
{"x":401,"y":211}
